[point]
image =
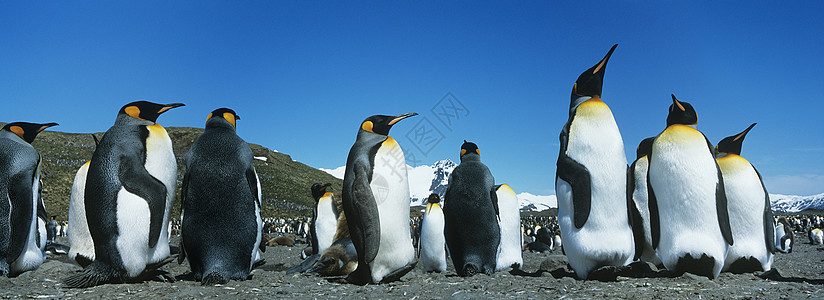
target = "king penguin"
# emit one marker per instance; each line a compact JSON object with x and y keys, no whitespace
{"x":81,"y":246}
{"x":471,"y":215}
{"x":784,"y":236}
{"x":751,"y":219}
{"x":591,"y":180}
{"x":129,"y":193}
{"x":376,"y":203}
{"x":21,"y":248}
{"x":433,"y":243}
{"x":509,"y":211}
{"x":689,"y":220}
{"x":325,"y":218}
{"x":637,"y":187}
{"x":221,"y":228}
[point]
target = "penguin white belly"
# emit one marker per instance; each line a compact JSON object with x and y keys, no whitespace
{"x":641,"y":198}
{"x":779,"y":232}
{"x":433,"y":242}
{"x":80,"y":240}
{"x":326,"y":224}
{"x":391,"y":191}
{"x":32,"y":256}
{"x":161,"y":163}
{"x":509,"y":251}
{"x":684,"y":177}
{"x":606,"y":238}
{"x":745,"y":203}
{"x":817,"y":237}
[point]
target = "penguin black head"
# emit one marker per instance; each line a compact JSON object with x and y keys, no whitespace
{"x":224,"y":114}
{"x":319,"y":190}
{"x":434,"y":199}
{"x":681,"y":113}
{"x":592,"y":80}
{"x":732,"y":144}
{"x":380,"y":124}
{"x":27,"y":131}
{"x":644,"y":148}
{"x":145,"y":110}
{"x":469,"y":148}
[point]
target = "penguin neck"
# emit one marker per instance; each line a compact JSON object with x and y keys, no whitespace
{"x":369,"y":138}
{"x":6,"y":134}
{"x":124,"y":119}
{"x":470,"y":157}
{"x":573,"y":106}
{"x":219,"y":123}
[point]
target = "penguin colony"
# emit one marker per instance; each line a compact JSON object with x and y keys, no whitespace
{"x":679,"y":190}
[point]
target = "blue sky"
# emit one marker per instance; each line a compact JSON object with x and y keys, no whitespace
{"x":303,"y":75}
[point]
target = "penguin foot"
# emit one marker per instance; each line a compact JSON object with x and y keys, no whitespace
{"x":702,"y":266}
{"x":83,"y":261}
{"x":397,"y":274}
{"x":214,"y":278}
{"x":96,"y":274}
{"x":745,"y":265}
{"x":259,"y":263}
{"x":361,"y":276}
{"x":305,"y":265}
{"x":605,"y":274}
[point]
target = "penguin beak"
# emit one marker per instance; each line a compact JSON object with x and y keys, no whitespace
{"x":600,"y":66}
{"x":677,"y":104}
{"x":47,"y":125}
{"x":744,"y":133}
{"x":169,"y":106}
{"x":401,"y":117}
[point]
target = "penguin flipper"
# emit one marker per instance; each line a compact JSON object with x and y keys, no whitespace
{"x":654,"y":221}
{"x":721,"y":209}
{"x":252,"y":179}
{"x":636,"y":222}
{"x":494,"y":195}
{"x":136,"y":180}
{"x":367,"y":229}
{"x":769,"y":227}
{"x":579,"y":180}
{"x":19,"y":220}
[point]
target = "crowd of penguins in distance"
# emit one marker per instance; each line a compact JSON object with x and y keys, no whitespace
{"x":683,"y":203}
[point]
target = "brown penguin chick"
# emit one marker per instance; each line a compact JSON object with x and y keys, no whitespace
{"x":339,"y":259}
{"x":281,"y":241}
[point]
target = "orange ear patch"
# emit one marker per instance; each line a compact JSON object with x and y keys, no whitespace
{"x":367,"y":126}
{"x":463,"y":151}
{"x":17,"y":130}
{"x":230,"y":117}
{"x":133,"y":111}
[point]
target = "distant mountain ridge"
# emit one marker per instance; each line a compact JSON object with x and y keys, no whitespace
{"x":793,"y":204}
{"x":285,"y":182}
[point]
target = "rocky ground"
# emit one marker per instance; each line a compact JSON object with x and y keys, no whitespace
{"x":800,"y":275}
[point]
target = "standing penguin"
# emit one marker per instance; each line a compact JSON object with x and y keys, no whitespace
{"x":81,"y":246}
{"x":509,"y":251}
{"x":433,"y":243}
{"x":129,"y":192}
{"x":688,"y":207}
{"x":325,"y":218}
{"x":20,"y":199}
{"x":376,"y":203}
{"x":471,"y":215}
{"x":637,"y":187}
{"x":590,"y":182}
{"x":220,"y":180}
{"x":751,"y":219}
{"x":784,"y":236}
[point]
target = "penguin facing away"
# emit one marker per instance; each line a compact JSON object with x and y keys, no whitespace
{"x":590,"y":182}
{"x":784,"y":236}
{"x":637,"y":187}
{"x":220,"y":180}
{"x":376,"y":203}
{"x":471,"y":227}
{"x":751,"y":219}
{"x":325,"y":218}
{"x":129,"y":192}
{"x":21,"y":249}
{"x":816,"y":236}
{"x":81,"y":246}
{"x":509,"y":250}
{"x":433,"y":242}
{"x":687,"y":202}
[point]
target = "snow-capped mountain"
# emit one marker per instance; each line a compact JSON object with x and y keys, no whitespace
{"x":428,"y":179}
{"x":793,"y":204}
